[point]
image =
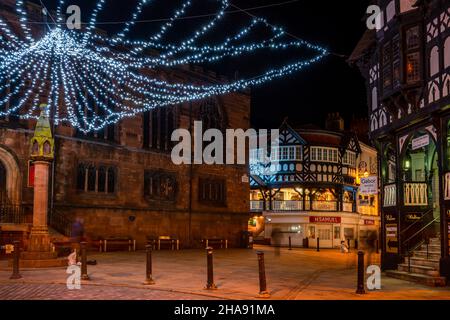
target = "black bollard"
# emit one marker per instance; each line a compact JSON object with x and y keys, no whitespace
{"x":209,"y":264}
{"x":360,"y":288}
{"x":148,"y":267}
{"x":84,"y":274}
{"x":263,"y":293}
{"x":348,"y":244}
{"x":290,"y":244}
{"x":16,"y":256}
{"x":318,"y":244}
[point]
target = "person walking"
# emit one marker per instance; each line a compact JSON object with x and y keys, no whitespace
{"x":77,"y":235}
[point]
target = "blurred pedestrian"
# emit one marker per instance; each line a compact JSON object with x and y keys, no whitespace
{"x":276,"y":240}
{"x":77,"y":235}
{"x":370,"y":246}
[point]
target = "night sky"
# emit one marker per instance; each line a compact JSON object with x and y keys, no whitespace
{"x":305,"y":97}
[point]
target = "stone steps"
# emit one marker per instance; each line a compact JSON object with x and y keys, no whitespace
{"x":424,"y":262}
{"x":417,"y":277}
{"x":430,"y":255}
{"x":424,"y":267}
{"x":414,"y":268}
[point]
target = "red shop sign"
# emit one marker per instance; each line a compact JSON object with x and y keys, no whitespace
{"x":325,"y":219}
{"x":369,"y":222}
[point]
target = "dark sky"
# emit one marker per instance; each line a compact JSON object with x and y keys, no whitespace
{"x":326,"y":87}
{"x":305,"y":97}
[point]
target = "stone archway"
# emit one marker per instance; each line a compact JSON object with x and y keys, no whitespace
{"x":13,"y":176}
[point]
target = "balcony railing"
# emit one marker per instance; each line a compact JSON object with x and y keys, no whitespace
{"x":347,"y":206}
{"x":256,"y":205}
{"x":324,"y":205}
{"x":415,"y":194}
{"x":390,"y":195}
{"x":368,"y":210}
{"x":447,"y":186}
{"x":287,"y":205}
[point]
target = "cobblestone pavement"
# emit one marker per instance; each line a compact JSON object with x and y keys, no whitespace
{"x":299,"y":274}
{"x":28,"y":291}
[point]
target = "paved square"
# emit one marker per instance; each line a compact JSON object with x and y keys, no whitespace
{"x":297,"y":274}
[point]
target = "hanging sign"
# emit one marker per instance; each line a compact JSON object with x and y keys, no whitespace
{"x":369,"y":186}
{"x":420,"y":142}
{"x":391,"y":238}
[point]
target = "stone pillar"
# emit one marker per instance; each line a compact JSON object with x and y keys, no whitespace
{"x":39,"y":238}
{"x":39,"y":252}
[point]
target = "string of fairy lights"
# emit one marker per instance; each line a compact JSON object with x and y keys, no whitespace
{"x":91,"y":81}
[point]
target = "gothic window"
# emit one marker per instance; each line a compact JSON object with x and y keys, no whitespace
{"x":212,"y":191}
{"x":374,"y":98}
{"x":210,"y":115}
{"x":160,"y":185}
{"x":447,"y":53}
{"x":412,"y":55}
{"x":92,"y":178}
{"x":434,"y":61}
{"x":47,"y":148}
{"x":159,"y":124}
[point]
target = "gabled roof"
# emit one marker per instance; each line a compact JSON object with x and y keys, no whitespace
{"x":350,"y":142}
{"x":290,"y":136}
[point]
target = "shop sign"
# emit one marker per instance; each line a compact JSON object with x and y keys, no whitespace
{"x":420,"y":142}
{"x":413,"y":217}
{"x":325,"y":219}
{"x":369,"y":186}
{"x":391,"y":238}
{"x":390,"y":218}
{"x":369,"y":222}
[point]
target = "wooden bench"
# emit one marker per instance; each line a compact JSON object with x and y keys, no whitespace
{"x":65,"y":247}
{"x":164,"y":241}
{"x":119,"y":242}
{"x":215,"y":243}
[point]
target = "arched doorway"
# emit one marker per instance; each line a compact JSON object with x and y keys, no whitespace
{"x":420,"y":178}
{"x":3,"y":194}
{"x":10,"y":178}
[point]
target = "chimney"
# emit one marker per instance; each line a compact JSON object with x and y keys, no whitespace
{"x":334,"y":122}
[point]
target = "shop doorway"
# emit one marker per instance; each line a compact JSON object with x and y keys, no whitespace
{"x":324,"y":233}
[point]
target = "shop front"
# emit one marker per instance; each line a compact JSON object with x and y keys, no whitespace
{"x":306,"y":230}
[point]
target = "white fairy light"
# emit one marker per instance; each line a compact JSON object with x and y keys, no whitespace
{"x":91,"y":81}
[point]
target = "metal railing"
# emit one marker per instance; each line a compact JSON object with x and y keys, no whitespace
{"x":427,"y":226}
{"x":16,"y":214}
{"x":61,"y":222}
{"x":390,"y":195}
{"x":287,"y":205}
{"x":256,"y":205}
